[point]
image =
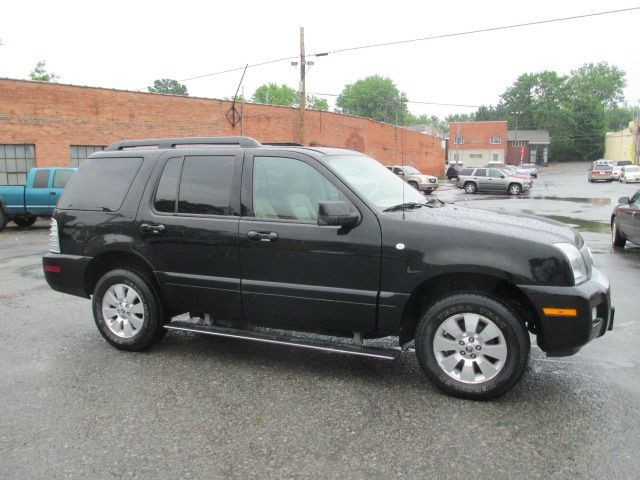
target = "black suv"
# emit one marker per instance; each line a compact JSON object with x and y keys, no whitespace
{"x":261,"y":242}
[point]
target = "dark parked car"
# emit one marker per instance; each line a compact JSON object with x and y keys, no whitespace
{"x":453,"y":171}
{"x":260,"y":242}
{"x":625,"y":221}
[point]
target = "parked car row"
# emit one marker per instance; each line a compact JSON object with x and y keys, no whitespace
{"x":606,"y":170}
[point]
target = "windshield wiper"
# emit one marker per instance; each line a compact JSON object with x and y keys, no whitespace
{"x":404,"y":206}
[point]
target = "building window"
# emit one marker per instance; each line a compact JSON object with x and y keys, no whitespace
{"x":79,"y":153}
{"x":495,"y":140}
{"x":15,"y":162}
{"x":458,"y":140}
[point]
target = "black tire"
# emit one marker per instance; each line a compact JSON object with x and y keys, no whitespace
{"x":413,"y":184}
{"x":470,"y":187}
{"x":513,"y":331}
{"x":515,"y":189}
{"x":617,"y":238}
{"x":3,"y":220}
{"x":154,"y":317}
{"x":24,"y":222}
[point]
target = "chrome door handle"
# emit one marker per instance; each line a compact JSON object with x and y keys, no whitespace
{"x":262,"y":236}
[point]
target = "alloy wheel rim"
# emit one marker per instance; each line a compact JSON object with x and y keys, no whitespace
{"x":123,"y":310}
{"x":470,"y":348}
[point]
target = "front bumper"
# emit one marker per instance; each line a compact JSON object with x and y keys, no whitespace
{"x":427,"y":187}
{"x":561,"y":335}
{"x":66,"y":273}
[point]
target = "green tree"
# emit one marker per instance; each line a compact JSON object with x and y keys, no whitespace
{"x":40,"y":74}
{"x":168,"y":86}
{"x":315,"y":103}
{"x":273,"y":94}
{"x":618,"y":118}
{"x":374,"y":97}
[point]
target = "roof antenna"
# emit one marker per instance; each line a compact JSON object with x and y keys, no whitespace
{"x":233,"y":116}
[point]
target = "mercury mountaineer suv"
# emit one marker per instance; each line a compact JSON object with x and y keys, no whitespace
{"x":264,"y":242}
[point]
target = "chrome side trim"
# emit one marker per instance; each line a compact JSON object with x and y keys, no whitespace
{"x":217,"y":331}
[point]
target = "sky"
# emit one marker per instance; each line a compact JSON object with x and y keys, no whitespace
{"x":128,"y":44}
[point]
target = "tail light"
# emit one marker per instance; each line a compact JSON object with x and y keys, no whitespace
{"x":54,"y":239}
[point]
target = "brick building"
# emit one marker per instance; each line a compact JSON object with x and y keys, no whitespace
{"x":528,"y":146}
{"x":476,"y":143}
{"x":46,"y":124}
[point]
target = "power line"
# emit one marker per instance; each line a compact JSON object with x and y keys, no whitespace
{"x":484,"y":30}
{"x":400,"y":42}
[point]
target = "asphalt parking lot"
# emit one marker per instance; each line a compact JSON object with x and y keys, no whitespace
{"x":201,"y":407}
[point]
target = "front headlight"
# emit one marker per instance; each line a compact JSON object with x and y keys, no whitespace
{"x":576,"y":260}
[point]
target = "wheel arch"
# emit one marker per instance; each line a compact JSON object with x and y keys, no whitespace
{"x":114,"y":259}
{"x":435,"y":288}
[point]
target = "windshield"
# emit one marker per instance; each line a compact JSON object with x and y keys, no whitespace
{"x":411,"y":171}
{"x":631,"y":169}
{"x":373,"y":181}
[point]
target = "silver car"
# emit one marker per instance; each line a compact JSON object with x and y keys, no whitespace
{"x":422,"y":183}
{"x":493,"y":180}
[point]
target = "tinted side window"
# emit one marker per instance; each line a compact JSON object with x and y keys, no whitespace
{"x":100,"y":184}
{"x":289,"y":189}
{"x":61,"y":178}
{"x":467,"y":171}
{"x":42,"y":179}
{"x":166,"y":197}
{"x":495,"y":174}
{"x":481,"y":172}
{"x":205,"y":186}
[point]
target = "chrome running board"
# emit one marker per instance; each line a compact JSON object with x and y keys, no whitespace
{"x":325,"y":346}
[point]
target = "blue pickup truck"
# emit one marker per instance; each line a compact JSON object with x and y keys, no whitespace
{"x":22,"y":204}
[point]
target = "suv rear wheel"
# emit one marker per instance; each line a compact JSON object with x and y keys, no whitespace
{"x":470,"y":187}
{"x":472,"y":346}
{"x":128,"y":311}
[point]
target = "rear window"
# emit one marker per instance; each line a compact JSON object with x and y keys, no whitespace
{"x":466,"y":171}
{"x":100,"y":184}
{"x":61,"y":178}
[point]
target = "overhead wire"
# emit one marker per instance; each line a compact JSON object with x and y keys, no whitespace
{"x":413,"y":40}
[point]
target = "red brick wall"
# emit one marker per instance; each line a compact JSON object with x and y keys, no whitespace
{"x":53,"y":117}
{"x":477,"y":135}
{"x":513,"y":153}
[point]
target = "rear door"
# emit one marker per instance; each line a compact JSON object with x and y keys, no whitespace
{"x":38,"y":197}
{"x":188,"y":225}
{"x":629,"y":219}
{"x":295,"y":273}
{"x":60,"y":179}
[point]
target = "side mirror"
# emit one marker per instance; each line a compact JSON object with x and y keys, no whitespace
{"x":623,"y":200}
{"x":336,"y":214}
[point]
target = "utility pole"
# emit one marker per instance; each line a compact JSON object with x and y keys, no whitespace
{"x":303,"y":87}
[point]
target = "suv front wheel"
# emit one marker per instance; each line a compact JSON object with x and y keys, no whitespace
{"x":128,"y":311}
{"x":472,"y":346}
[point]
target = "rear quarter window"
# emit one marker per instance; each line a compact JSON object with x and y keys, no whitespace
{"x":100,"y":184}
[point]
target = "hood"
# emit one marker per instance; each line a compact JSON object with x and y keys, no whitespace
{"x":474,"y":221}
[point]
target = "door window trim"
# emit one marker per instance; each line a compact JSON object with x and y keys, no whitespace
{"x":247,"y":212}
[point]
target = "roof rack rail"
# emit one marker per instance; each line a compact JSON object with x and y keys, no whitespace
{"x":283,"y":144}
{"x":165,"y":143}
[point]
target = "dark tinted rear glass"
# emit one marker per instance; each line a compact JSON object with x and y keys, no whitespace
{"x":167,"y":192}
{"x":42,"y":179}
{"x":100,"y":184}
{"x":466,"y":171}
{"x":481,"y":172}
{"x":205,"y":186}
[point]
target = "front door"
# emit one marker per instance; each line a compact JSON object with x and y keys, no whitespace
{"x":295,"y":273}
{"x":188,"y":223}
{"x":629,"y":219}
